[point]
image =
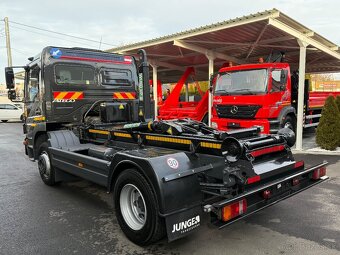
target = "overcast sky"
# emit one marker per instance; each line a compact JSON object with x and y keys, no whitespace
{"x":123,"y":22}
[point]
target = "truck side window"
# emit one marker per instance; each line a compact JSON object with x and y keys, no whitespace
{"x":279,"y":77}
{"x":74,"y":74}
{"x":116,"y":77}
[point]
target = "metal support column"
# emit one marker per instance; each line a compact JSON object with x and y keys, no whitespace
{"x":301,"y":93}
{"x":186,"y":92}
{"x":211,"y":58}
{"x":155,"y":89}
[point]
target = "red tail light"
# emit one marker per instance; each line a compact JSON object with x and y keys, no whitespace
{"x":266,"y":194}
{"x":318,"y":173}
{"x":234,"y":210}
{"x":295,"y":181}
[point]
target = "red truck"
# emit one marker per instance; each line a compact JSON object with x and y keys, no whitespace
{"x":264,"y":95}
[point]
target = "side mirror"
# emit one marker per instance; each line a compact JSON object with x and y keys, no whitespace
{"x":283,"y":76}
{"x":12,"y":95}
{"x":212,"y":81}
{"x":9,"y":77}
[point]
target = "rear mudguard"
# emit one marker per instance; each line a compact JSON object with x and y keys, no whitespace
{"x":173,"y":176}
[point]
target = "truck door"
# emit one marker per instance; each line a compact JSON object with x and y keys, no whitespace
{"x":295,"y":90}
{"x":33,"y":93}
{"x":278,"y":87}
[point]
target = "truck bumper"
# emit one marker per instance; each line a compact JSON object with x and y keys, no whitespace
{"x":280,"y":189}
{"x":229,"y":124}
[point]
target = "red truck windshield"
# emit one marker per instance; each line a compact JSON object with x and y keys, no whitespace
{"x":242,"y":82}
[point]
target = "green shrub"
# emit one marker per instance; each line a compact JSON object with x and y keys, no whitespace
{"x":328,"y":131}
{"x":337,"y":101}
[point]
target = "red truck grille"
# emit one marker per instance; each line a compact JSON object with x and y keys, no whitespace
{"x":237,"y":111}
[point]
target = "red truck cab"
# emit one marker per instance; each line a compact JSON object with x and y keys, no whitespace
{"x":254,"y":94}
{"x":264,"y":95}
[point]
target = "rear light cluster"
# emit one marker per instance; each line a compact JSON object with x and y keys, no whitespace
{"x":233,"y":210}
{"x":318,"y":173}
{"x":266,"y":194}
{"x":295,"y":181}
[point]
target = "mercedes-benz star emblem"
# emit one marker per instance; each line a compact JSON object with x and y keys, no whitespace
{"x":234,"y":109}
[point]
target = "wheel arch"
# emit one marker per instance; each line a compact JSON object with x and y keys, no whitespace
{"x":36,"y":140}
{"x":125,"y":164}
{"x":286,"y":111}
{"x":118,"y":169}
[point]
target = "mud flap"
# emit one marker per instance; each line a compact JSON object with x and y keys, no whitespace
{"x":183,"y":223}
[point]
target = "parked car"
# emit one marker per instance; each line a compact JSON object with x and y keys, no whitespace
{"x":20,"y":105}
{"x":9,"y":111}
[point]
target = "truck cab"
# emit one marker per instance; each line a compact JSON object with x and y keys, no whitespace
{"x":254,"y":95}
{"x":69,"y":86}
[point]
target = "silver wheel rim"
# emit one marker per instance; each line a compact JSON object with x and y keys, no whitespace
{"x":288,"y":125}
{"x":44,"y":164}
{"x":132,"y":207}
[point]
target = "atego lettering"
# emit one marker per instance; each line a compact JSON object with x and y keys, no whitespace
{"x":64,"y":100}
{"x":187,"y":225}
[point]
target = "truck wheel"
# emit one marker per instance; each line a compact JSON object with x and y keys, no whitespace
{"x":136,"y":208}
{"x":4,"y":121}
{"x":46,"y":169}
{"x":290,"y":123}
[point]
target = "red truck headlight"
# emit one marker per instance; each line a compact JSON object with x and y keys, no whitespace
{"x":214,"y":125}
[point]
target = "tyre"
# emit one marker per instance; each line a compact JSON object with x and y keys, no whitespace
{"x":136,"y":208}
{"x":4,"y":121}
{"x":289,"y":122}
{"x":46,"y":170}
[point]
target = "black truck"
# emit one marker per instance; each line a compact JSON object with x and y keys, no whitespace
{"x":88,"y":114}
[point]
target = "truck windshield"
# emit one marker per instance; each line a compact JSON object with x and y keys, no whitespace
{"x":242,"y":82}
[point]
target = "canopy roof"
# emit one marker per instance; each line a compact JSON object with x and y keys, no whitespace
{"x":239,"y":40}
